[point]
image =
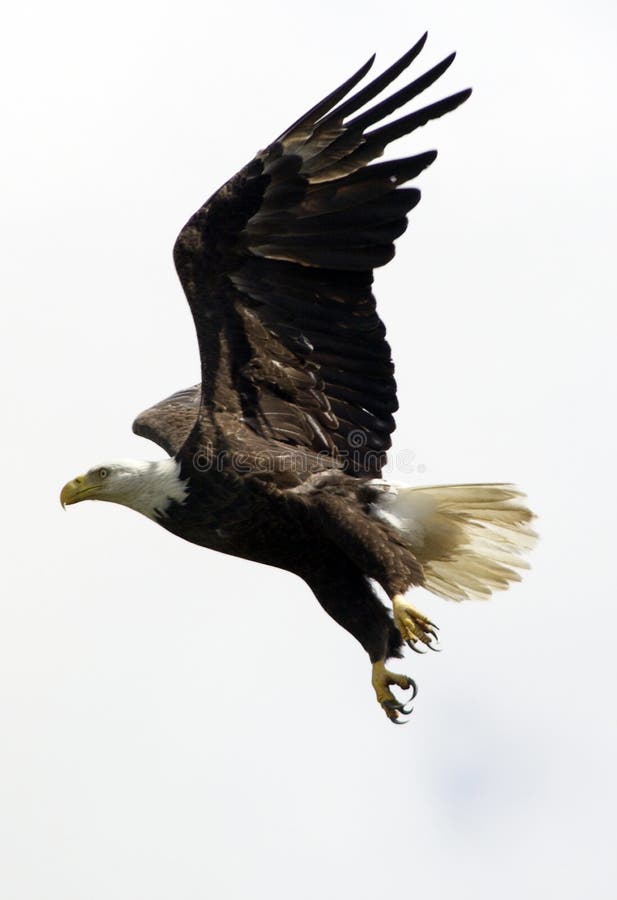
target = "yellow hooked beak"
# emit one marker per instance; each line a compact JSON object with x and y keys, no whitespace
{"x":76,"y":490}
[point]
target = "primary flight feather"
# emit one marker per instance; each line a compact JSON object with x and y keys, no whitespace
{"x":277,"y":455}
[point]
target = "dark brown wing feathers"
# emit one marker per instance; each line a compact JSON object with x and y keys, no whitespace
{"x":277,"y":267}
{"x":169,"y":422}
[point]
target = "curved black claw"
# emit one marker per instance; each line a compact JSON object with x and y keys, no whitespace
{"x":412,"y":646}
{"x":414,"y":689}
{"x":394,"y":704}
{"x":397,"y":707}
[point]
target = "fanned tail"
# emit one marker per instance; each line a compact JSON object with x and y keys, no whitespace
{"x":469,"y":538}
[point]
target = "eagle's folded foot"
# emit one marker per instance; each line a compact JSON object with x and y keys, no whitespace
{"x":412,"y":625}
{"x":382,"y":678}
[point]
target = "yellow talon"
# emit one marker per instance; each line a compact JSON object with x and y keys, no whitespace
{"x":412,"y":625}
{"x":382,"y":678}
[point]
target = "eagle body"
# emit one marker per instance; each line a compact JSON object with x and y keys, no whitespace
{"x":331,"y":553}
{"x":276,"y":456}
{"x":260,"y":504}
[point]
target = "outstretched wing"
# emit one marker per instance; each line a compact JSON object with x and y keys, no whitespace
{"x":277,"y":267}
{"x":169,"y":422}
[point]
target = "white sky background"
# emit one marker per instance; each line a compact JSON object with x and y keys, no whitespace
{"x":175,"y":723}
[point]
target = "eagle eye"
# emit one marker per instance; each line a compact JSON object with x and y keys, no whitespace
{"x":103,"y":473}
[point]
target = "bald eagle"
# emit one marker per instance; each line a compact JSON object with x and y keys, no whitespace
{"x":277,"y":455}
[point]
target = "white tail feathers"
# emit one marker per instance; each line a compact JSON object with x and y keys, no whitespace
{"x":468,"y":537}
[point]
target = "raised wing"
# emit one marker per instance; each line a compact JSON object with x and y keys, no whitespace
{"x":169,"y":422}
{"x":277,"y":267}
